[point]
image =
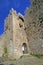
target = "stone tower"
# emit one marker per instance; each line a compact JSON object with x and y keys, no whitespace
{"x":15,"y":34}
{"x":34,"y":26}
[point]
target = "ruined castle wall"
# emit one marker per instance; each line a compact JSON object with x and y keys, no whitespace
{"x":15,"y":33}
{"x":19,"y":36}
{"x":34,"y":26}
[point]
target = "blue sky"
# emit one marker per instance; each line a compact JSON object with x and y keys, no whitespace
{"x":6,"y":5}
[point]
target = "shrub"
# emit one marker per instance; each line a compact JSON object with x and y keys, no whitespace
{"x":30,"y":12}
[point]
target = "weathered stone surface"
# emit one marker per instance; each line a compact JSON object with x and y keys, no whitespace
{"x":23,"y":33}
{"x":14,"y":35}
{"x":34,"y":26}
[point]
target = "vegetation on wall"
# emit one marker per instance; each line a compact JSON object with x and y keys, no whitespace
{"x":30,"y":12}
{"x":5,"y":50}
{"x":41,"y":19}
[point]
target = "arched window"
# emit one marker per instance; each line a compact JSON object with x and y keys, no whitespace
{"x":24,"y":48}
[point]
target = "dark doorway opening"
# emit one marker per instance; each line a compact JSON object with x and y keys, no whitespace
{"x":24,"y":48}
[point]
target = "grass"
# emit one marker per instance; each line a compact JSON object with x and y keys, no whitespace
{"x":13,"y":59}
{"x":21,"y":56}
{"x":37,"y":55}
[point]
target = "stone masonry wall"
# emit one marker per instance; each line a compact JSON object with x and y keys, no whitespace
{"x":34,"y":26}
{"x":14,"y":35}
